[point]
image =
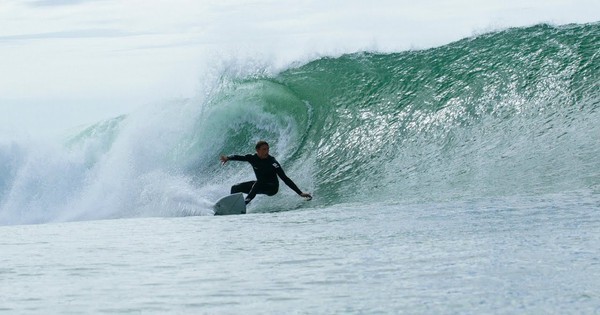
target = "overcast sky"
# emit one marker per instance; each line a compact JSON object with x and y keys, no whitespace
{"x":71,"y":62}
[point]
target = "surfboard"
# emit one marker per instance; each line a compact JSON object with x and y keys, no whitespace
{"x":232,"y":204}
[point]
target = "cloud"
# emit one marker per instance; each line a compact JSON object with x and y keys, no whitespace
{"x":86,"y":33}
{"x":51,"y":3}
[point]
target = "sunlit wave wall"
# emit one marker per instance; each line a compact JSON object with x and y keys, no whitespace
{"x":505,"y":113}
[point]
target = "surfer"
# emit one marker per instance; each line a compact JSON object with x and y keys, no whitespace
{"x":266,"y":169}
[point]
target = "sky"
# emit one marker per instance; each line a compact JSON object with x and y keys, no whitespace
{"x":65,"y":63}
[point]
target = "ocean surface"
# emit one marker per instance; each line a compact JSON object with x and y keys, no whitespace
{"x":459,"y":179}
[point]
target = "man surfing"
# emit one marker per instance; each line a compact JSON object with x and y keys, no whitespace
{"x":266,"y":169}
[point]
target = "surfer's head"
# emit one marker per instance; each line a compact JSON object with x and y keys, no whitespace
{"x":262,"y":149}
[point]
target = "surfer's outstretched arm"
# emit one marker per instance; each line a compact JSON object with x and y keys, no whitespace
{"x":291,"y":183}
{"x":306,"y":195}
{"x":225,"y":158}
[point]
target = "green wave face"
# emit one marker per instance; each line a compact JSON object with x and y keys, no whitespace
{"x":503,"y":113}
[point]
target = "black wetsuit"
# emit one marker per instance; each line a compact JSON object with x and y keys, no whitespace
{"x":266,"y":181}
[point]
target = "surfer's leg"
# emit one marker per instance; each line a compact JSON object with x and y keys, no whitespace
{"x":261,"y":188}
{"x":252,"y":193}
{"x":244,"y":187}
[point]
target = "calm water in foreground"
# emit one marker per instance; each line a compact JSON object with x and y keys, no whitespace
{"x":533,"y":255}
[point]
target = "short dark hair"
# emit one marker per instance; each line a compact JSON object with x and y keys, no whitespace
{"x":260,"y":144}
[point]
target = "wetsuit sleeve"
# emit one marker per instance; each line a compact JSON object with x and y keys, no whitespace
{"x":235,"y":157}
{"x":286,"y":179}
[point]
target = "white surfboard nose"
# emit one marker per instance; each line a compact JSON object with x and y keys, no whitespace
{"x":232,"y":204}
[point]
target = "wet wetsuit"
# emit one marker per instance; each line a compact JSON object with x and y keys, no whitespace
{"x":266,"y":172}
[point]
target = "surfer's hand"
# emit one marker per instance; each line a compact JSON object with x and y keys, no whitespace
{"x":224,"y":159}
{"x":307,"y":196}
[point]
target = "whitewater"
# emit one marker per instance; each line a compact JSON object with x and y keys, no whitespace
{"x":459,"y":179}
